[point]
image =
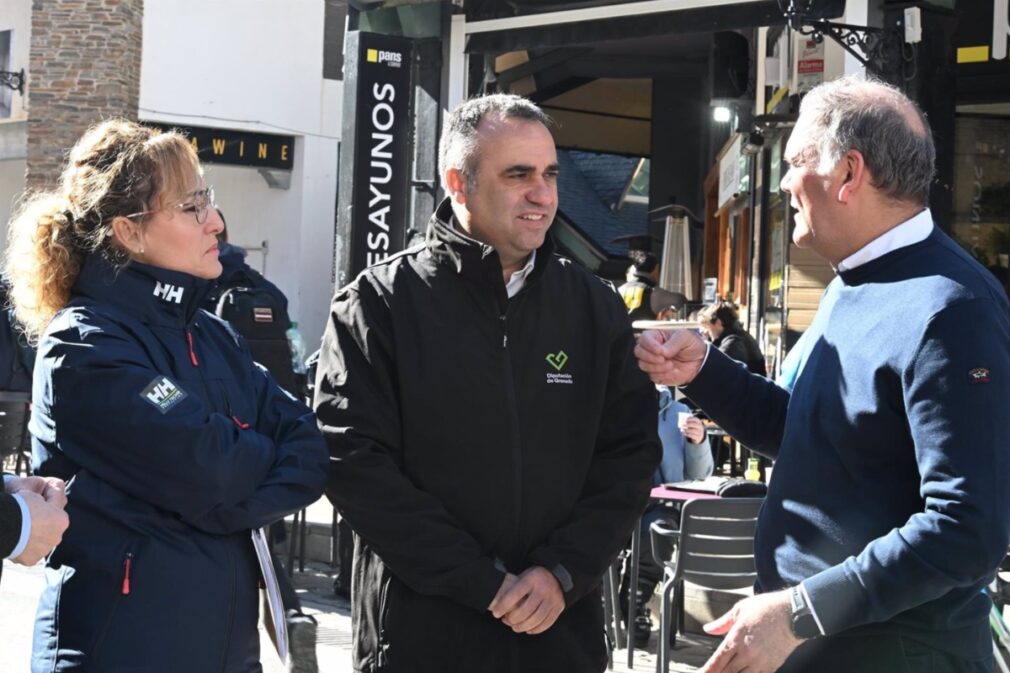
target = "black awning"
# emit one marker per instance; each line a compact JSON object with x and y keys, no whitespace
{"x":699,"y":20}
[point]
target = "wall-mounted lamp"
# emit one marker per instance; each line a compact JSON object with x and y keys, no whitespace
{"x":13,"y":80}
{"x":722,"y":114}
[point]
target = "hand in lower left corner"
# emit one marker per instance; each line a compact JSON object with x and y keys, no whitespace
{"x":759,"y":636}
{"x":532,"y":604}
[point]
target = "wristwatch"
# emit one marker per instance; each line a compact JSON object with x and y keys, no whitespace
{"x":803,"y":622}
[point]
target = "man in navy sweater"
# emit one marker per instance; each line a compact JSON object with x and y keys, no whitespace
{"x":889,"y":510}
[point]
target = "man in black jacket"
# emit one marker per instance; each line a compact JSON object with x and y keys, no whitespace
{"x":492,"y":444}
{"x":727,"y":334}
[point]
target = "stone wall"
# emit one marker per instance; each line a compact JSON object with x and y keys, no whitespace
{"x":84,"y":66}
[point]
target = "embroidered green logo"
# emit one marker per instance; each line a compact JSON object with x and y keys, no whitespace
{"x":557,"y":360}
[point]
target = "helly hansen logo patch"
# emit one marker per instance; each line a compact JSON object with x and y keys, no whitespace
{"x":978,"y":375}
{"x":163,"y":394}
{"x":172,"y":293}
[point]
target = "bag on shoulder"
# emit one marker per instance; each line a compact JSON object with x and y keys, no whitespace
{"x":256,"y":314}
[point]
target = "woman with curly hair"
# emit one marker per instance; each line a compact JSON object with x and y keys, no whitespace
{"x":176,"y":445}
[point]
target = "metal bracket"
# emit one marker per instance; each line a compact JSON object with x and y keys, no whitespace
{"x":878,"y":49}
{"x":13,"y":80}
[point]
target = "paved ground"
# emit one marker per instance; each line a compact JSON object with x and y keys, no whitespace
{"x":20,"y":587}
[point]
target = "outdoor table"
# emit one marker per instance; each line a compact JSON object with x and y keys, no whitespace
{"x":661,"y":493}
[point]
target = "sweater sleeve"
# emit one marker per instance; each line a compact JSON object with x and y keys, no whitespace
{"x":751,"y":408}
{"x":954,"y":389}
{"x":619,"y":479}
{"x":357,"y":404}
{"x":698,"y":460}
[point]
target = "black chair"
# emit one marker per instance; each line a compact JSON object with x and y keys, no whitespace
{"x":714,"y":550}
{"x":15,"y":410}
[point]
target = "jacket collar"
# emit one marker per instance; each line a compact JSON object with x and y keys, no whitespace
{"x":152,"y":294}
{"x":470,"y":258}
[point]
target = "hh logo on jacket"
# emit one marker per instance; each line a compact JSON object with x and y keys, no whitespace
{"x":172,"y":293}
{"x":163,"y":393}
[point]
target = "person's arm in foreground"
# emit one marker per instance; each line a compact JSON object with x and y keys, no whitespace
{"x":34,"y":517}
{"x":751,"y":408}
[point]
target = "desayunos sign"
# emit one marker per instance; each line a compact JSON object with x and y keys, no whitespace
{"x":381,"y":148}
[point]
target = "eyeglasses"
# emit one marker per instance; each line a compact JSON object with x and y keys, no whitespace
{"x":199,"y":204}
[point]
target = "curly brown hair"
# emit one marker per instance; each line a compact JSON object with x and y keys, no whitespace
{"x":118,"y":167}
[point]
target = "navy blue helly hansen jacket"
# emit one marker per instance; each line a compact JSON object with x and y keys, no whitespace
{"x":176,"y":445}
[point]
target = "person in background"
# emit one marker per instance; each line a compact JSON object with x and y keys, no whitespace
{"x":686,"y":455}
{"x":236,"y":272}
{"x":721,"y":322}
{"x":492,"y":439}
{"x":17,"y":357}
{"x":180,"y":448}
{"x":642,"y":296}
{"x":889,"y":511}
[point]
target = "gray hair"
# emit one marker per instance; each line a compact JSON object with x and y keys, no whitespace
{"x":882,"y":124}
{"x":458,"y":146}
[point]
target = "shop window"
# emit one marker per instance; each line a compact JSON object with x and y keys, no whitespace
{"x":982,"y":190}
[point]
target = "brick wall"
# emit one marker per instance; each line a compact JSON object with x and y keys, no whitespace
{"x":84,"y":66}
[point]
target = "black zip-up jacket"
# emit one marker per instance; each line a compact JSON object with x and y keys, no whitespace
{"x":737,"y":343}
{"x":471,"y":433}
{"x":176,"y":445}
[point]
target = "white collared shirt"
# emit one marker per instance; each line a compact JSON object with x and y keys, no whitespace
{"x":26,"y":522}
{"x":518,"y":279}
{"x":907,"y":233}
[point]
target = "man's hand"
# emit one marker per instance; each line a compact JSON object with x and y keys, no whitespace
{"x":693,"y":429}
{"x":53,"y":490}
{"x":759,"y":638}
{"x":671,"y":358}
{"x":506,"y":585}
{"x":529,"y":603}
{"x":48,"y":523}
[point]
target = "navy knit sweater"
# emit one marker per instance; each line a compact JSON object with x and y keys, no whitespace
{"x":890,"y":498}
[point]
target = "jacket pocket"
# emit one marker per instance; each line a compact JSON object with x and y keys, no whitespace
{"x":123,"y":587}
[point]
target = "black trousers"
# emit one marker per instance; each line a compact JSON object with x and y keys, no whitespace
{"x":877,"y":654}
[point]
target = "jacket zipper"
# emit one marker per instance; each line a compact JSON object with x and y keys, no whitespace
{"x":242,"y":425}
{"x":124,"y":590}
{"x":191,"y":343}
{"x":192,"y":352}
{"x":517,"y":444}
{"x":126,"y":573}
